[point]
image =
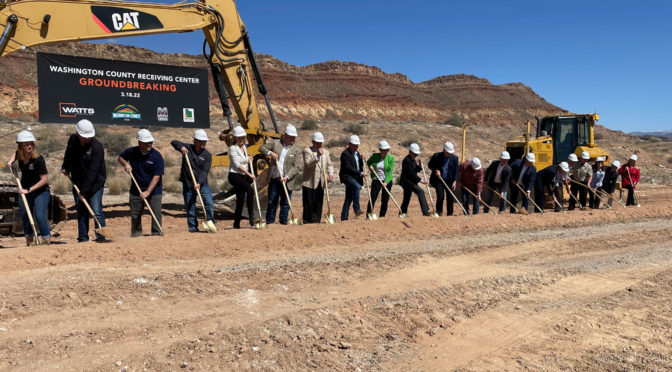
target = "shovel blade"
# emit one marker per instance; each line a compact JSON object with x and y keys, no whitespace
{"x":209,"y":226}
{"x":295,"y":221}
{"x":435,"y":215}
{"x":403,"y":215}
{"x":372,"y":216}
{"x":259,"y":224}
{"x":104,"y":232}
{"x":330,"y":218}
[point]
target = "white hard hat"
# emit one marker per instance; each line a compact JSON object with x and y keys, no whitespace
{"x":616,"y":164}
{"x":572,"y":157}
{"x":25,"y":136}
{"x":291,"y":131}
{"x":318,"y":137}
{"x":599,"y":158}
{"x":476,"y":163}
{"x":505,"y":155}
{"x":633,"y":157}
{"x":449,"y":147}
{"x":414,"y":148}
{"x":530,"y":157}
{"x":564,"y":166}
{"x":239,"y":132}
{"x":85,"y":129}
{"x":585,"y":155}
{"x":145,"y":136}
{"x":383,"y":145}
{"x":354,"y":140}
{"x":200,"y":135}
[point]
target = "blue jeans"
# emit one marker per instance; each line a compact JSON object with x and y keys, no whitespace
{"x":96,"y":203}
{"x":465,"y":200}
{"x":38,"y":203}
{"x":275,"y":194}
{"x":351,"y":196}
{"x":190,"y":196}
{"x":489,"y":195}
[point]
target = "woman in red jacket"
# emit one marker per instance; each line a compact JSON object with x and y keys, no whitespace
{"x":630,"y":178}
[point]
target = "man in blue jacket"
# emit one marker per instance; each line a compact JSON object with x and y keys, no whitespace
{"x":523,"y":174}
{"x":445,"y":165}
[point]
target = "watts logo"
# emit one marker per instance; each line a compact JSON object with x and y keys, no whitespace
{"x":112,"y":19}
{"x":126,"y":112}
{"x":70,"y":110}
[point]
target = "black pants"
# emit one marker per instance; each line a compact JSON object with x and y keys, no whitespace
{"x":376,"y":188}
{"x":514,"y":191}
{"x":539,"y":197}
{"x":442,"y":193}
{"x":312,"y":204}
{"x":408,"y":190}
{"x":631,"y":195}
{"x":594,"y":200}
{"x":582,"y":191}
{"x":244,"y":191}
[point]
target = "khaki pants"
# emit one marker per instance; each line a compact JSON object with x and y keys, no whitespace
{"x":137,"y":207}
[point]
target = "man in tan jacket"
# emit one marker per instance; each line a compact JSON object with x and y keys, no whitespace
{"x":315,"y":158}
{"x":285,"y":168}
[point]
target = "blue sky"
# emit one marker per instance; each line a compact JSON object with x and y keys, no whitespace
{"x":613,"y":57}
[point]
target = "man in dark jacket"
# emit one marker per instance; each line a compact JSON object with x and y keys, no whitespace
{"x":200,"y":160}
{"x":409,"y":180}
{"x":445,"y":165}
{"x":610,"y":178}
{"x":84,"y":163}
{"x":551,"y":180}
{"x":497,"y":177}
{"x":352,"y":175}
{"x":523,"y":174}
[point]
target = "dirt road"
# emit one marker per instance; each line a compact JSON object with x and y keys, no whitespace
{"x":585,"y":290}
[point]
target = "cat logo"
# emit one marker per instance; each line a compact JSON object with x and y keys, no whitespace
{"x":113,"y":19}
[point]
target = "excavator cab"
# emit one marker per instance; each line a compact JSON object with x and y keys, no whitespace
{"x":568,"y":132}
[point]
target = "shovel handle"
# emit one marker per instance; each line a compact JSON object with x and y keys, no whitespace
{"x":86,"y":204}
{"x":431,"y":199}
{"x":500,"y":196}
{"x":530,"y":199}
{"x":326,"y":183}
{"x":146,"y":203}
{"x":385,"y":188}
{"x":454,"y":197}
{"x":27,"y":208}
{"x":633,"y":186}
{"x":284,"y":187}
{"x":198,"y":191}
{"x":479,"y":199}
{"x":572,"y":195}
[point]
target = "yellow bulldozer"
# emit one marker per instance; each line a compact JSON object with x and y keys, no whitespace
{"x":556,"y":138}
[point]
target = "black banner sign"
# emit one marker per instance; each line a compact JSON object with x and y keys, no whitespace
{"x":121,"y":93}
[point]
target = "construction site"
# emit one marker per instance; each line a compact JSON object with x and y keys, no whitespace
{"x":582,"y":289}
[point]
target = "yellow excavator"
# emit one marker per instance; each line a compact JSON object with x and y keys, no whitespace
{"x":556,"y":138}
{"x":27,"y":23}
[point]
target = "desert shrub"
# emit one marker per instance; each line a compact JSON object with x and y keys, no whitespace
{"x":169,"y":162}
{"x":338,"y":142}
{"x":114,"y":143}
{"x":111,"y":167}
{"x":118,"y":184}
{"x":171,"y":182}
{"x":354,"y":128}
{"x":60,"y":185}
{"x":309,"y":124}
{"x":50,"y":146}
{"x":655,"y":139}
{"x":407,"y":142}
{"x":669,"y":159}
{"x":597,"y":136}
{"x":454,"y":120}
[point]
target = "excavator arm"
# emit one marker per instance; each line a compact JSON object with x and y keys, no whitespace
{"x":26,"y":23}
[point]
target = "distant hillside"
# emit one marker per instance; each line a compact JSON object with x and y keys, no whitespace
{"x":332,"y":90}
{"x":661,"y":133}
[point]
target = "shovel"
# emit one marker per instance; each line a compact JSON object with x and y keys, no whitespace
{"x":530,"y":199}
{"x":329,"y":217}
{"x":27,"y":208}
{"x":454,"y":197}
{"x":258,"y":224}
{"x":500,"y":196}
{"x":555,"y":200}
{"x":147,"y":204}
{"x":597,"y":194}
{"x":401,"y":215}
{"x":479,"y":199}
{"x":431,"y":199}
{"x":208,"y":225}
{"x":612,"y":198}
{"x":634,"y":195}
{"x":292,"y":221}
{"x":100,"y":230}
{"x":583,"y":207}
{"x":371,"y":216}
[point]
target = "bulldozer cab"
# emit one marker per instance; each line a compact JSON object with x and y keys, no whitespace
{"x":568,"y":133}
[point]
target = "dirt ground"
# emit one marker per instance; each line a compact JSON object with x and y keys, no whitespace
{"x":584,"y":290}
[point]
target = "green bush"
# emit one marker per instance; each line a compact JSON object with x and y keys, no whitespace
{"x":309,"y":124}
{"x":454,"y":120}
{"x":407,"y":142}
{"x":354,"y":128}
{"x":169,"y":162}
{"x":338,"y":142}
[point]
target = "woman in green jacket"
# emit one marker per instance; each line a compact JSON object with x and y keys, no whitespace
{"x":383,"y":163}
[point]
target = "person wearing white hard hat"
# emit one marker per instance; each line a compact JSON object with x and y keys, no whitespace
{"x":596,"y":183}
{"x":84,"y":163}
{"x":383,"y":163}
{"x":352,"y":174}
{"x":610,"y":180}
{"x":34,"y":183}
{"x":286,"y":166}
{"x":240,"y":166}
{"x":523,"y":174}
{"x":551,"y":180}
{"x":497,"y":178}
{"x":444,"y":165}
{"x":409,"y":180}
{"x":200,"y":160}
{"x":471,"y":178}
{"x":582,"y":173}
{"x":146,"y":165}
{"x":630,"y":178}
{"x":315,"y":160}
